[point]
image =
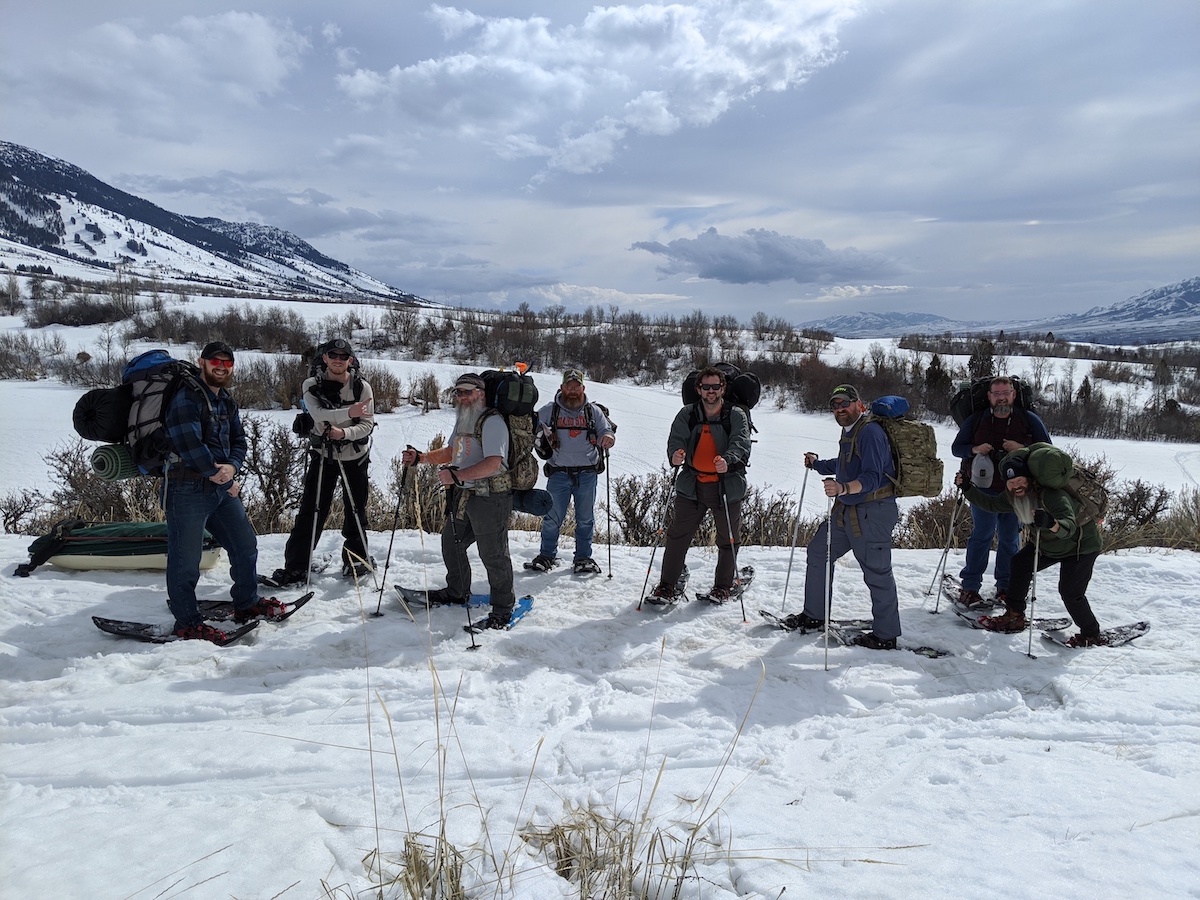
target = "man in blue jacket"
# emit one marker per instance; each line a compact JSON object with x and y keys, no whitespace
{"x":862,"y":517}
{"x":200,"y":490}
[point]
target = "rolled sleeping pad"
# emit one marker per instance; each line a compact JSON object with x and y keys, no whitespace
{"x":113,"y":462}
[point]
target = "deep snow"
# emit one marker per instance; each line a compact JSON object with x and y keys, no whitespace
{"x":275,"y":767}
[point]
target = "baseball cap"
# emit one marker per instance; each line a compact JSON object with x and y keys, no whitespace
{"x":469,"y":379}
{"x":572,"y":375}
{"x":844,"y":392}
{"x":216,"y":348}
{"x":341,"y":345}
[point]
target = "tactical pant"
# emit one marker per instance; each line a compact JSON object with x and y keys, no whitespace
{"x":472,"y":519}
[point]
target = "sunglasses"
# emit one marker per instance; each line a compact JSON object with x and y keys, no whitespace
{"x":710,"y":387}
{"x":221,"y":363}
{"x":342,"y":356}
{"x":840,"y":404}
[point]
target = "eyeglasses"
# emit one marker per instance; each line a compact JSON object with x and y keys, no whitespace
{"x":1002,"y":393}
{"x":342,"y":356}
{"x":221,"y":363}
{"x":464,"y":392}
{"x":711,"y":387}
{"x":840,"y":404}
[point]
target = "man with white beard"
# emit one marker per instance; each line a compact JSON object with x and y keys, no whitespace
{"x":1054,"y":536}
{"x":474,"y":471}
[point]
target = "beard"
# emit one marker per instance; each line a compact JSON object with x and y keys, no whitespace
{"x":1002,"y":410}
{"x":217,"y":378}
{"x":1024,"y":507}
{"x":467,"y":416}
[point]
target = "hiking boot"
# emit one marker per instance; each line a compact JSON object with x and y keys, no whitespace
{"x":803,"y":622}
{"x":664,"y":594}
{"x":201,"y":632}
{"x":358,"y":569}
{"x":263,"y":608}
{"x":542,"y":563}
{"x":872,"y":641}
{"x":1091,"y":640}
{"x":971,"y":600}
{"x":286,"y":577}
{"x":495,"y":620}
{"x":720,"y":594}
{"x":1002,"y":596}
{"x":443,"y":597}
{"x":585,"y":567}
{"x":1009,"y":623}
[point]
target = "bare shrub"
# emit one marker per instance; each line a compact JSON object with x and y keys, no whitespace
{"x":385,"y":387}
{"x":272,"y":475}
{"x":927,"y":525}
{"x":425,"y":392}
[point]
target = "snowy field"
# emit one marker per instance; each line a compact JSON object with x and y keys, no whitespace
{"x":294,"y":763}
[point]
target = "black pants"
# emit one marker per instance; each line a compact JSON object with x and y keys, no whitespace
{"x":688,"y":515}
{"x":1074,"y":575}
{"x":298,"y":551}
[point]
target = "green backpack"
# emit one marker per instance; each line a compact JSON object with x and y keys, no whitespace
{"x":1054,"y":468}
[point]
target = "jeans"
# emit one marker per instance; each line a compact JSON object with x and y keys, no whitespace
{"x":872,"y":547}
{"x":563,"y":487}
{"x":471,"y":519}
{"x":984,"y":524}
{"x":193,"y":504}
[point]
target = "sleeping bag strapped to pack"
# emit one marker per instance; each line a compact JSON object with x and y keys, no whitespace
{"x":513,"y":394}
{"x":742,"y":389}
{"x":140,"y":402}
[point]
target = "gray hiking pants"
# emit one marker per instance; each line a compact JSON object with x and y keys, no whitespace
{"x":482,"y":521}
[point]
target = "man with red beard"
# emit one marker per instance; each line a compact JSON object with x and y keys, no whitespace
{"x":1054,"y":536}
{"x":474,"y":471}
{"x":200,"y":491}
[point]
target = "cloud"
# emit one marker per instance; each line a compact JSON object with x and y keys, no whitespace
{"x":761,"y":257}
{"x":574,"y":93}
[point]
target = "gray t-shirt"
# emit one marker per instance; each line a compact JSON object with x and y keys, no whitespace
{"x":466,"y":450}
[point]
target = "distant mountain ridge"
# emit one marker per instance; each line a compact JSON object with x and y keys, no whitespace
{"x":1168,"y":313}
{"x":57,"y":207}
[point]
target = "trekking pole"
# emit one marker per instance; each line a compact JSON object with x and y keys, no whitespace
{"x":828,"y":577}
{"x":395,"y":524}
{"x":658,"y":537}
{"x":1037,"y":554}
{"x":795,"y":536}
{"x":941,"y":566}
{"x":312,"y":537}
{"x":608,"y":510}
{"x":737,"y":575}
{"x":358,"y":523}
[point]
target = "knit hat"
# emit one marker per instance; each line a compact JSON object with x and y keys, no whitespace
{"x":1015,"y":467}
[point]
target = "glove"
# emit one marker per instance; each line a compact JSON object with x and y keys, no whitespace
{"x":1042,"y":519}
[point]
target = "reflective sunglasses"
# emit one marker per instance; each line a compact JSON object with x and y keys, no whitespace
{"x":335,"y":355}
{"x":840,"y":404}
{"x":221,"y":363}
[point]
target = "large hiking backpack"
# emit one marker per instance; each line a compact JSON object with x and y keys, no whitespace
{"x":971,"y":398}
{"x":148,"y":383}
{"x":1054,"y":468}
{"x":919,"y":469}
{"x":514,"y":396}
{"x":741,"y":388}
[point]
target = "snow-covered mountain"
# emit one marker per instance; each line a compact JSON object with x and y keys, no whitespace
{"x":59,"y":215}
{"x":1169,"y":313}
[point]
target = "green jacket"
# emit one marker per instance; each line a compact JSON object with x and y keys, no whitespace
{"x":734,"y":445}
{"x":1071,"y":540}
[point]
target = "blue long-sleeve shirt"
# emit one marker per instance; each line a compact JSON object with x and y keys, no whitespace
{"x":203,"y":439}
{"x":870,"y":465}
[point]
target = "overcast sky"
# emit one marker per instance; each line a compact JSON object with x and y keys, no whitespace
{"x":979,"y":160}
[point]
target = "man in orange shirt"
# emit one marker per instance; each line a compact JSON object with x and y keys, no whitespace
{"x":711,"y":441}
